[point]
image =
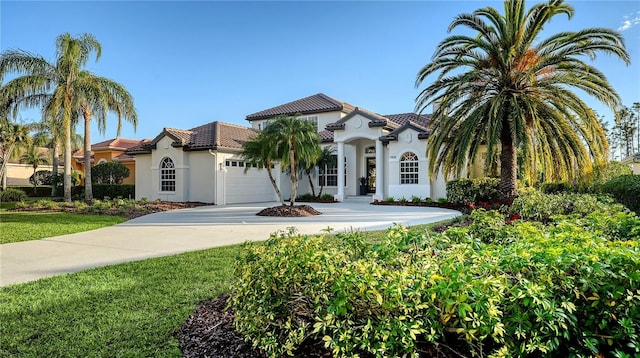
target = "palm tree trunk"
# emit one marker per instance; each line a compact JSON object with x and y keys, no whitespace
{"x":313,"y":188}
{"x":54,"y":169}
{"x":294,"y":175}
{"x":67,"y":150}
{"x":508,"y":163}
{"x":273,"y":182}
{"x":88,"y":189}
{"x":35,"y":181}
{"x":3,"y":169}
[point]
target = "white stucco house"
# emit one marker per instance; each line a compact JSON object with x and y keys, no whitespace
{"x":633,"y":161}
{"x":203,"y":163}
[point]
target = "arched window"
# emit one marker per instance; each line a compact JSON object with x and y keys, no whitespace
{"x":167,"y":175}
{"x":409,"y":168}
{"x":102,"y":160}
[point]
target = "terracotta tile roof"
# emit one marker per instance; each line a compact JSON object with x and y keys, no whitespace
{"x":112,"y":144}
{"x":403,"y":118}
{"x":214,"y":135}
{"x":317,"y":103}
{"x":326,"y":136}
{"x":375,"y":120}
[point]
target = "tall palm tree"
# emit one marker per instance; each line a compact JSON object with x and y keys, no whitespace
{"x":12,"y":136}
{"x":99,"y":97}
{"x":34,"y":157}
{"x":259,"y":151}
{"x":504,"y":87}
{"x":65,"y":89}
{"x":296,"y":140}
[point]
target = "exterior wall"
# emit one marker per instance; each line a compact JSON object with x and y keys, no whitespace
{"x":202,"y":181}
{"x":18,"y":174}
{"x":323,"y":120}
{"x":131,"y":179}
{"x":407,"y":142}
{"x":145,"y":186}
{"x":180,"y":161}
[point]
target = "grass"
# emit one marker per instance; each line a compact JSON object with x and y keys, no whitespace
{"x":126,"y":310}
{"x":131,"y":309}
{"x":24,"y":226}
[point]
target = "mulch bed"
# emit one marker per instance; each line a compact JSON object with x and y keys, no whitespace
{"x":289,"y":211}
{"x":146,"y":208}
{"x":209,"y":332}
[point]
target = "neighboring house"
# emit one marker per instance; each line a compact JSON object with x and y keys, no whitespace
{"x":19,"y":173}
{"x":112,"y":150}
{"x":204,"y":163}
{"x":633,"y":161}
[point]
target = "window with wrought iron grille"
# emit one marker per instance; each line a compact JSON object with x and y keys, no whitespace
{"x":409,"y":168}
{"x":167,"y":175}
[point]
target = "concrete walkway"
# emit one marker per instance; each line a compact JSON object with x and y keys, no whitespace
{"x":177,"y":231}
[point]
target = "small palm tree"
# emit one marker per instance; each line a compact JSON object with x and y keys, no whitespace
{"x":63,"y":88}
{"x":326,"y":159}
{"x":259,"y":151}
{"x":295,"y":140}
{"x":505,"y":88}
{"x":34,"y":157}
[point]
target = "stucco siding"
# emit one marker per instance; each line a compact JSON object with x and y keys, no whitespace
{"x":202,"y":177}
{"x":143,"y":180}
{"x":408,"y":142}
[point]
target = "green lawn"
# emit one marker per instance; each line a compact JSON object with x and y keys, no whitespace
{"x":23,"y":226}
{"x":127,"y":310}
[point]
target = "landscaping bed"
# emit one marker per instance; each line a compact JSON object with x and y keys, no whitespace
{"x":128,"y":209}
{"x":289,"y":211}
{"x":550,"y":276}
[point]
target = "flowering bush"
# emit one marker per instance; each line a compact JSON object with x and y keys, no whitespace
{"x":570,"y":288}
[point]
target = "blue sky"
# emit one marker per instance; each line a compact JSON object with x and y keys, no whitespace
{"x":190,"y":63}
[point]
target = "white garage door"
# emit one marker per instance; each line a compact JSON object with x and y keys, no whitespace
{"x":251,"y":187}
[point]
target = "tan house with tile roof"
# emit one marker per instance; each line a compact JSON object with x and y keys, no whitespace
{"x":203,"y":163}
{"x":111,"y":150}
{"x":199,"y":164}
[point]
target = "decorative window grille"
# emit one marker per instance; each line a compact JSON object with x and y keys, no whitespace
{"x":409,"y":168}
{"x":167,"y":175}
{"x":328,"y":176}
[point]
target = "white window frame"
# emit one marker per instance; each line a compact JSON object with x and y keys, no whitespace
{"x":312,"y":119}
{"x":409,"y":168}
{"x":167,"y":175}
{"x":331,"y":173}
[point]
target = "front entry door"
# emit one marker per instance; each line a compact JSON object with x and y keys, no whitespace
{"x":371,"y":175}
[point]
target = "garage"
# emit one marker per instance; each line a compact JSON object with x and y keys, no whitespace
{"x":246,"y":187}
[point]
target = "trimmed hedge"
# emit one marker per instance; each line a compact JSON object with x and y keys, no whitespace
{"x":465,"y":191}
{"x":125,"y":191}
{"x":626,"y":190}
{"x":44,"y":190}
{"x":11,"y":195}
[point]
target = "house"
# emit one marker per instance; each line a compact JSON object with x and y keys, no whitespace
{"x":633,"y":161}
{"x":18,"y":173}
{"x":112,"y":150}
{"x":204,"y":163}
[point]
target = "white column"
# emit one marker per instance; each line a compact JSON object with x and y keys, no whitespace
{"x":340,"y":195}
{"x":379,"y":171}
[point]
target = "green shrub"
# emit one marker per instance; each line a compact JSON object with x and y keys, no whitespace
{"x":542,"y":207}
{"x":109,"y":173}
{"x":12,"y":194}
{"x":32,"y":191}
{"x":327,"y":197}
{"x":45,"y":177}
{"x":390,"y":199}
{"x":307,"y":196}
{"x":626,"y":190}
{"x":416,"y":199}
{"x":555,"y":187}
{"x":465,"y":191}
{"x":126,"y":191}
{"x":563,"y":290}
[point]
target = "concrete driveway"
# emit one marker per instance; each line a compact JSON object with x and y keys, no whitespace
{"x":177,"y":231}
